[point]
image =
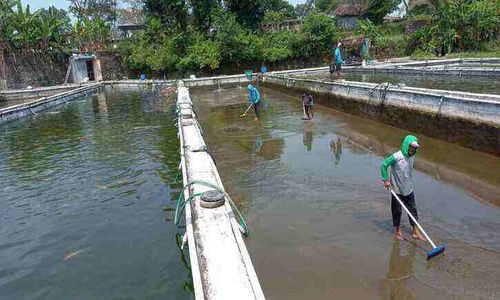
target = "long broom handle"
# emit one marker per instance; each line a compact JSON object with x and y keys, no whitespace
{"x":246,"y":110}
{"x":412,"y":217}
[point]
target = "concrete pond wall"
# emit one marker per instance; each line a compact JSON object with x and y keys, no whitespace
{"x":34,"y":107}
{"x":451,"y":67}
{"x":220,"y":263}
{"x":36,"y":92}
{"x":470,"y":120}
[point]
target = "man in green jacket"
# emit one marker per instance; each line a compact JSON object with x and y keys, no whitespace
{"x":401,"y":181}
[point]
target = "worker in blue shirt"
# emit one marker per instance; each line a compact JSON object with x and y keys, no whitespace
{"x":254,"y":97}
{"x":338,"y":60}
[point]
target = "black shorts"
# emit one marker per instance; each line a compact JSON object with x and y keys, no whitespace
{"x":409,"y":202}
{"x":338,"y":67}
{"x":256,"y":107}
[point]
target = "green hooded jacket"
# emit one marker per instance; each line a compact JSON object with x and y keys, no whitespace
{"x":401,"y":168}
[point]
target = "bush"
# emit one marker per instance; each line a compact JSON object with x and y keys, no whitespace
{"x":280,"y":46}
{"x":203,"y":54}
{"x":390,"y":45}
{"x":318,"y":34}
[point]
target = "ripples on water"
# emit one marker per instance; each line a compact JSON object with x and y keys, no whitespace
{"x":85,"y":192}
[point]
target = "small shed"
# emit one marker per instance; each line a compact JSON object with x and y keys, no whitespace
{"x":85,"y":68}
{"x":348,"y":14}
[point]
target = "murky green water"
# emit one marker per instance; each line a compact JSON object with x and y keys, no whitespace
{"x":320,"y":219}
{"x":473,"y":84}
{"x":85,"y":201}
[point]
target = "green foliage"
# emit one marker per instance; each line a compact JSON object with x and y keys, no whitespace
{"x":248,"y":12}
{"x":326,"y":6}
{"x":273,"y":16}
{"x":144,"y":55}
{"x":280,"y":46}
{"x":42,"y":30}
{"x":202,"y":13}
{"x":90,"y":34}
{"x":282,"y":7}
{"x":378,"y":9}
{"x":202,"y":54}
{"x":459,"y":25}
{"x":227,"y":29}
{"x":305,"y":9}
{"x":390,"y":45}
{"x":367,"y":28}
{"x":251,"y":47}
{"x":105,"y":9}
{"x":318,"y":34}
{"x":172,"y":13}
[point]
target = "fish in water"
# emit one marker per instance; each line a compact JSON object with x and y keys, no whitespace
{"x":72,"y":254}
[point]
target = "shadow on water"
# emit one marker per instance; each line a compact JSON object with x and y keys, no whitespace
{"x":320,"y":218}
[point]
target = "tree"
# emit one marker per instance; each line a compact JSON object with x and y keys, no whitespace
{"x":226,"y":31}
{"x":53,"y":26}
{"x":378,"y":9}
{"x":202,"y":54}
{"x":273,"y":16}
{"x":248,"y":12}
{"x":281,"y":45}
{"x":319,"y":33}
{"x":90,"y":33}
{"x":279,"y":6}
{"x":172,"y":13}
{"x":105,"y":9}
{"x":202,"y":13}
{"x":326,"y":6}
{"x":303,"y":10}
{"x":130,"y":16}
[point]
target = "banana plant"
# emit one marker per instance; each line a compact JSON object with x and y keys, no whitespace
{"x":24,"y":25}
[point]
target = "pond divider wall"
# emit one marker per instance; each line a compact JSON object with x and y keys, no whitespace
{"x":471,"y":120}
{"x":36,"y":92}
{"x":453,"y":67}
{"x":34,"y":107}
{"x":220,"y":263}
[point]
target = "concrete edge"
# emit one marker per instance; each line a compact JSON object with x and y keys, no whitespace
{"x":34,"y":107}
{"x":193,"y":255}
{"x":206,"y":285}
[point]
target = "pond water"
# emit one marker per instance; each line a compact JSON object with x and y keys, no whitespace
{"x":319,"y":217}
{"x":86,"y":201}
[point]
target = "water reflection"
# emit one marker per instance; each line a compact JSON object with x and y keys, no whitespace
{"x":299,"y":199}
{"x":336,"y":147}
{"x":307,"y":135}
{"x":400,"y":271}
{"x":187,"y":284}
{"x":258,"y":144}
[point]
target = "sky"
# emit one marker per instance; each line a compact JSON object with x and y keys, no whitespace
{"x":35,"y":4}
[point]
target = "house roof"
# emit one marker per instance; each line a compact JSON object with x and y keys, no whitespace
{"x":349,"y":10}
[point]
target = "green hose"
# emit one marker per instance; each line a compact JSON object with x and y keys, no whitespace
{"x":180,"y":206}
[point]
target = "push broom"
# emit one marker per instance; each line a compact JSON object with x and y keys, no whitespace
{"x":436,"y":250}
{"x":245,"y":113}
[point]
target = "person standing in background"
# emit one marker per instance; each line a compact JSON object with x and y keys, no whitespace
{"x":338,"y":60}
